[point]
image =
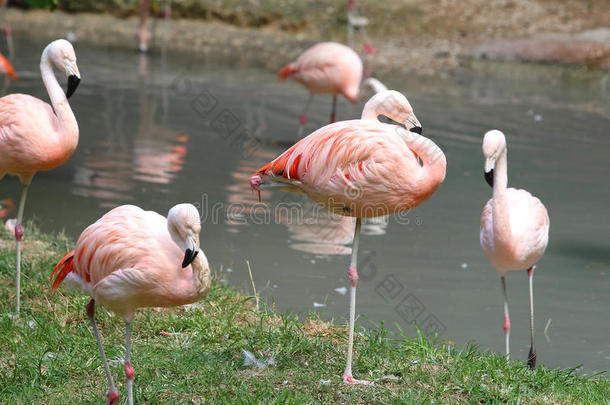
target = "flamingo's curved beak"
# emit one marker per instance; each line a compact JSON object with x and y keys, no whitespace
{"x":191,"y":252}
{"x":490,"y":164}
{"x":73,"y":82}
{"x":412,"y":124}
{"x":73,"y":77}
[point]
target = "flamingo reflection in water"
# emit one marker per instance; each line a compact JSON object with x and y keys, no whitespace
{"x":155,"y":156}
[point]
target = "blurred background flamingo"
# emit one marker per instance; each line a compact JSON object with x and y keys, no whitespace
{"x":34,"y":135}
{"x":326,"y":68}
{"x":514,"y":228}
{"x":131,"y":258}
{"x":361,"y":168}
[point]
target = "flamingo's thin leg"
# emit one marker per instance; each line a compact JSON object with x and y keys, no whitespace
{"x":334,"y":109}
{"x":129,"y":371}
{"x":18,"y":236}
{"x":113,"y":394}
{"x":353,"y":279}
{"x":303,"y":118}
{"x":506,"y":320}
{"x":531,"y":358}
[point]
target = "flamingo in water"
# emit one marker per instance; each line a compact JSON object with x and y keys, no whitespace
{"x":35,"y":136}
{"x":361,"y":168}
{"x":326,"y":68}
{"x":514,"y":228}
{"x":131,"y":258}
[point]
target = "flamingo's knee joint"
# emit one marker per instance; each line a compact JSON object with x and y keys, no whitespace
{"x":353,"y":276}
{"x":18,"y":232}
{"x":129,"y":371}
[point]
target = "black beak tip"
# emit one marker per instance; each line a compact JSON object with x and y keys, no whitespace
{"x":73,"y":82}
{"x":189,"y":256}
{"x":417,"y":130}
{"x":489,"y":177}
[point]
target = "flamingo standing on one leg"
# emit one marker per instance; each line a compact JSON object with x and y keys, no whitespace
{"x":514,"y":228}
{"x":35,"y":136}
{"x":326,"y":68}
{"x":361,"y":168}
{"x":131,"y":258}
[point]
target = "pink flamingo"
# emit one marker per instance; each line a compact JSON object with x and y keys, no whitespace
{"x":35,"y":136}
{"x":131,"y":258}
{"x":514,"y":228}
{"x":326,"y":68}
{"x":361,"y":168}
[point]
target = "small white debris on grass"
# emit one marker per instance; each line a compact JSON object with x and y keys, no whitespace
{"x":464,"y":265}
{"x":341,"y":290}
{"x":318,"y":305}
{"x":537,"y":117}
{"x":197,"y":305}
{"x":229,"y":270}
{"x":324,"y":382}
{"x":251,"y":360}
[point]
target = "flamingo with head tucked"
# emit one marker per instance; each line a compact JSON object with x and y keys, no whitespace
{"x":36,"y":136}
{"x":361,"y":168}
{"x":131,"y":258}
{"x":514,"y":228}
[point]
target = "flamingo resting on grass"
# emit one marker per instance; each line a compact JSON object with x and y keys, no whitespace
{"x":514,"y":228}
{"x":35,"y":136}
{"x":326,"y":68}
{"x":361,"y":168}
{"x":131,"y":258}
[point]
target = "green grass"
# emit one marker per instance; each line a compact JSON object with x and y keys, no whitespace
{"x":200,"y":359}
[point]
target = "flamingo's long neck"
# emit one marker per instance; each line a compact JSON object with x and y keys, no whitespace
{"x":69,"y":126}
{"x":433,"y":159}
{"x":501,"y":215}
{"x":202,"y":278}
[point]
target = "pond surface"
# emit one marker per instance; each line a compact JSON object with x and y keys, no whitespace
{"x":155,"y":131}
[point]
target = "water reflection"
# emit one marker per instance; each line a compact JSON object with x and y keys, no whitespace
{"x":156,"y":155}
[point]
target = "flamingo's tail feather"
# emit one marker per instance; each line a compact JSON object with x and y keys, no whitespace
{"x":62,"y":269}
{"x":8,"y":67}
{"x":285,"y":71}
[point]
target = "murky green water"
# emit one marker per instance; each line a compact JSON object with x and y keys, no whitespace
{"x":156,"y":131}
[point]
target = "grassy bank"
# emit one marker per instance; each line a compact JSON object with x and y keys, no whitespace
{"x":196,"y":356}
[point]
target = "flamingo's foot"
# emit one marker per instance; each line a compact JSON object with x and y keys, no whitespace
{"x":255,"y":182}
{"x":113,"y":397}
{"x":348,"y":379}
{"x":531,"y":359}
